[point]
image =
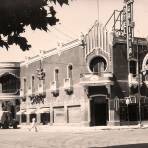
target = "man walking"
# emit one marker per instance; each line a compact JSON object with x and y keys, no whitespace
{"x":33,"y":125}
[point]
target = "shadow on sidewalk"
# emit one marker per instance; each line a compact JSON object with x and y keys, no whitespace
{"x":141,"y":145}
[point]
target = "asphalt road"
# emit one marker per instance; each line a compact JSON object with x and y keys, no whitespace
{"x":125,"y":138}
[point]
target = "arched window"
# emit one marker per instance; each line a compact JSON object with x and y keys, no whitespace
{"x":56,"y":74}
{"x":69,"y":71}
{"x":98,"y":64}
{"x":9,"y":83}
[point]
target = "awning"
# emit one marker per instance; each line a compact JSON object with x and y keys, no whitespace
{"x":43,"y":110}
{"x":20,"y":112}
{"x":30,"y":111}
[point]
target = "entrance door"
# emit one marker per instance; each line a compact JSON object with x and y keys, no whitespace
{"x":99,"y":111}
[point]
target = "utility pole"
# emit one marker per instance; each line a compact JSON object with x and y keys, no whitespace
{"x":139,"y":81}
{"x":98,"y":9}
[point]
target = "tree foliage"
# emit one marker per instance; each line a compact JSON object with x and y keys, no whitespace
{"x":15,"y":15}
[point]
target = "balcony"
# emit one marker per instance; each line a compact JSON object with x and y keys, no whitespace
{"x":29,"y":92}
{"x":9,"y":93}
{"x":54,"y":88}
{"x":41,"y":90}
{"x":96,"y":79}
{"x":68,"y":87}
{"x":22,"y":93}
{"x":133,"y":80}
{"x":23,"y":105}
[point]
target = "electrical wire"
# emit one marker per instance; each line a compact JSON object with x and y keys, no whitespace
{"x":98,"y":5}
{"x":63,"y":33}
{"x":66,"y":28}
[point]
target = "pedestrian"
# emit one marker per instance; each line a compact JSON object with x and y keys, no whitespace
{"x":33,"y":125}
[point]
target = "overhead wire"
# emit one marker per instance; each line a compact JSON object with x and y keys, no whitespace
{"x":63,"y":33}
{"x":98,"y":5}
{"x":69,"y":30}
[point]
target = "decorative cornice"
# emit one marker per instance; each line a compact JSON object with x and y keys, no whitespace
{"x":9,"y":65}
{"x":46,"y":54}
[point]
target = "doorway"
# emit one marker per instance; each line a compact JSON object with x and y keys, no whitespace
{"x":99,"y":111}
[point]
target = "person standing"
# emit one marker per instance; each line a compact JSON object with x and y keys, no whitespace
{"x":33,"y":125}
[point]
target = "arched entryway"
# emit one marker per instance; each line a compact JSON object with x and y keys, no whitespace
{"x":98,"y":110}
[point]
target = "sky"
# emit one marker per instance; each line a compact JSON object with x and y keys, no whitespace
{"x":76,"y":18}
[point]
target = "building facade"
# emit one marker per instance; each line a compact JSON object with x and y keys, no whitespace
{"x":9,"y":87}
{"x":90,"y":82}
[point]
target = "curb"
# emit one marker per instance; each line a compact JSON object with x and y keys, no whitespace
{"x":80,"y":129}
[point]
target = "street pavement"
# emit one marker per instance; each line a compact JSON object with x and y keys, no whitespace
{"x":74,"y":138}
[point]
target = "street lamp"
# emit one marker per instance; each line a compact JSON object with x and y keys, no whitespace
{"x":127,"y":103}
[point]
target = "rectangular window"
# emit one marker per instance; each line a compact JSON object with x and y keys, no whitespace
{"x":25,"y":86}
{"x":33,"y":84}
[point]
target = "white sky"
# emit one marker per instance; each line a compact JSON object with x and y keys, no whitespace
{"x":78,"y":17}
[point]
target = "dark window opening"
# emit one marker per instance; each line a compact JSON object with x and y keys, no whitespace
{"x":32,"y":116}
{"x":25,"y":86}
{"x":45,"y":118}
{"x":56,"y":74}
{"x":9,"y":83}
{"x":98,"y":64}
{"x":133,"y":67}
{"x":69,"y":71}
{"x":23,"y":118}
{"x":33,"y":84}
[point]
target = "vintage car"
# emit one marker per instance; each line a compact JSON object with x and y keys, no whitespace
{"x":6,"y":120}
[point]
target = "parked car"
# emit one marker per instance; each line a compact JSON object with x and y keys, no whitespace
{"x":6,"y":120}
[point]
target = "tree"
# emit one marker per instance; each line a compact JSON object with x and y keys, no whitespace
{"x":16,"y":15}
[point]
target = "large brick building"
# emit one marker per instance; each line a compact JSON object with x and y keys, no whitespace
{"x":79,"y":83}
{"x":100,"y":80}
{"x":86,"y":83}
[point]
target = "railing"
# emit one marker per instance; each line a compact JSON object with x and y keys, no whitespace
{"x":14,"y":90}
{"x":68,"y":85}
{"x":133,"y":79}
{"x":30,"y":92}
{"x":54,"y":87}
{"x":23,"y":105}
{"x":41,"y":90}
{"x":100,"y":74}
{"x":22,"y":93}
{"x":96,"y":78}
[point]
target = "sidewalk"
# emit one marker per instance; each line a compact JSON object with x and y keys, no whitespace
{"x":78,"y":129}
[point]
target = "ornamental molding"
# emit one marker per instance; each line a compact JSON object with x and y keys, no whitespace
{"x":51,"y":52}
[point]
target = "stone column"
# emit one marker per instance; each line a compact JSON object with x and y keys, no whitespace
{"x":89,"y":111}
{"x":28,"y":119}
{"x":114,"y":117}
{"x":85,"y":106}
{"x":84,"y":112}
{"x":0,"y":105}
{"x":65,"y":113}
{"x":38,"y":118}
{"x":20,"y":118}
{"x":51,"y":115}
